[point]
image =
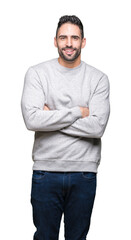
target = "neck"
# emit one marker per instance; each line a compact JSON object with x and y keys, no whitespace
{"x":69,"y":64}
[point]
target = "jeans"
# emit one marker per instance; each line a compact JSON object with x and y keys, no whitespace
{"x":57,"y":193}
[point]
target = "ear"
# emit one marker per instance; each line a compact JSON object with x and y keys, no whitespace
{"x":55,"y":42}
{"x":83,"y":42}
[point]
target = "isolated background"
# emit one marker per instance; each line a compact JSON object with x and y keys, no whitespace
{"x":27,"y":34}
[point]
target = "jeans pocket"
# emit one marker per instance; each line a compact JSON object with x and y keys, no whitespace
{"x":38,"y":174}
{"x":89,"y":175}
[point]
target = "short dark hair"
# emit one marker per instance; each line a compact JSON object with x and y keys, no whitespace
{"x":71,"y":19}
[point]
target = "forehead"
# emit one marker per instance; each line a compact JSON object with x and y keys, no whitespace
{"x":69,"y":29}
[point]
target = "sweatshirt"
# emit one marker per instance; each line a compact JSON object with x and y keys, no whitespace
{"x":63,"y":139}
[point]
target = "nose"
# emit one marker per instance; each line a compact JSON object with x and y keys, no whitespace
{"x":69,"y":42}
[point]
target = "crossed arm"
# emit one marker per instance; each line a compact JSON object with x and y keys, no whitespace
{"x":94,"y":123}
{"x":94,"y":119}
{"x":77,"y":121}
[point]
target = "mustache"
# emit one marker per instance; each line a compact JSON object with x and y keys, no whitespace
{"x":69,"y":48}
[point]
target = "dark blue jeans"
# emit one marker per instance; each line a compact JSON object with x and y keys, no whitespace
{"x":57,"y":193}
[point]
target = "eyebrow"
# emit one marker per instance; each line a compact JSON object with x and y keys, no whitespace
{"x":71,"y":36}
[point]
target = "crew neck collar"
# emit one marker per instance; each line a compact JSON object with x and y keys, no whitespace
{"x":66,"y":69}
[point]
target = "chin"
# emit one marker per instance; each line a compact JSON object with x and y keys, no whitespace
{"x":69,"y":59}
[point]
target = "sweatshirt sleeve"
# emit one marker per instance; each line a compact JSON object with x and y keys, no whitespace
{"x":94,"y":125}
{"x":32,"y":104}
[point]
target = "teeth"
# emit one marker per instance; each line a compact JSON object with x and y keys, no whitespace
{"x":69,"y":51}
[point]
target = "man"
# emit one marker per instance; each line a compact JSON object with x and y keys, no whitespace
{"x":66,"y":102}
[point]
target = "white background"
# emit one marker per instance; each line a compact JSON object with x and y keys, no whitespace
{"x":27,"y":34}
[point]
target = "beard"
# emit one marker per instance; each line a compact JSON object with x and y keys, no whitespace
{"x":69,"y":57}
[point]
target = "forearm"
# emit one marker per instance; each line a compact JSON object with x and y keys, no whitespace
{"x":89,"y":127}
{"x":40,"y":120}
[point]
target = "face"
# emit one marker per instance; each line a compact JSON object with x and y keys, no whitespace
{"x":69,"y":42}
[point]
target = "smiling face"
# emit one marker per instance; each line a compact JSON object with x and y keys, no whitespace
{"x":69,"y":43}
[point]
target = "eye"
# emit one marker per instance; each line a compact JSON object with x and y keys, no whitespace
{"x":75,"y":37}
{"x":62,"y":38}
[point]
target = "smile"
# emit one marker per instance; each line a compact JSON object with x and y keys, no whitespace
{"x":69,"y":51}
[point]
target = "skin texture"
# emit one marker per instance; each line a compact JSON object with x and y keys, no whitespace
{"x":69,"y":44}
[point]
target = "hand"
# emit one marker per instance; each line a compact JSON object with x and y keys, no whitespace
{"x":84,"y":111}
{"x":46,"y":108}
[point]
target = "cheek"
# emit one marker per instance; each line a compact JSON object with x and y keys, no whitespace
{"x":61,"y":45}
{"x":77,"y":45}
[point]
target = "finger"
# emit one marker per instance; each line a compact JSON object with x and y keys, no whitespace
{"x":45,"y":108}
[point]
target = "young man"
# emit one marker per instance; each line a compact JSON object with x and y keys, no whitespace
{"x":66,"y":102}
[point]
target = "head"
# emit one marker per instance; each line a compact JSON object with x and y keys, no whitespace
{"x":69,"y":39}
